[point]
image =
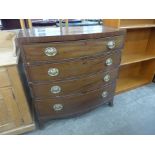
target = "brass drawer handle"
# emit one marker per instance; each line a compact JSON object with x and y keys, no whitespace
{"x":55,"y":89}
{"x":57,"y":107}
{"x":50,"y":51}
{"x":111,"y":44}
{"x":53,"y":72}
{"x":104,"y":94}
{"x":107,"y":78}
{"x":109,"y":61}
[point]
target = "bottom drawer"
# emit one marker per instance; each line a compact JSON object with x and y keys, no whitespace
{"x":68,"y":106}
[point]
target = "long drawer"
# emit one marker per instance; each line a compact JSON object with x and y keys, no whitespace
{"x":70,"y":50}
{"x":71,"y":69}
{"x":68,"y":87}
{"x":67,"y":106}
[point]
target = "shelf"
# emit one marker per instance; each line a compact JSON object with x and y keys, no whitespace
{"x":135,"y":75}
{"x":139,"y":46}
{"x":138,"y":57}
{"x":134,"y":58}
{"x":136,"y":23}
{"x":137,"y":26}
{"x":124,"y":84}
{"x":130,"y":23}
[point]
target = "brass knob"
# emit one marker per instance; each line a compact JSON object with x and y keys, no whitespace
{"x":57,"y":107}
{"x":50,"y":51}
{"x":55,"y":89}
{"x":106,"y":77}
{"x":109,"y":61}
{"x":111,"y":44}
{"x":53,"y":72}
{"x":104,"y":94}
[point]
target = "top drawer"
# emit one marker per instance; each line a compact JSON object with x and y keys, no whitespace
{"x":72,"y":49}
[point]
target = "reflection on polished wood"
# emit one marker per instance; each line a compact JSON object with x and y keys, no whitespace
{"x":70,"y":33}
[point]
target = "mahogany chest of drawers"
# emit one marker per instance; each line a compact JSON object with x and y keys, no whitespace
{"x":70,"y":70}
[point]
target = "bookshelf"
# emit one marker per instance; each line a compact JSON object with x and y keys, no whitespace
{"x":138,"y":56}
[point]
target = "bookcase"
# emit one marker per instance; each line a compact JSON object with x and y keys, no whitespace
{"x":138,"y":56}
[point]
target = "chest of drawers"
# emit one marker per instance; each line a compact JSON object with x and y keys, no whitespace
{"x":70,"y":71}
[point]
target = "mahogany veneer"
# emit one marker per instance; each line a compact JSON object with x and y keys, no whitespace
{"x":70,"y":71}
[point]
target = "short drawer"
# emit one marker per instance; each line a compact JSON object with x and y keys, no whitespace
{"x":69,"y":87}
{"x":72,"y":69}
{"x":70,"y":50}
{"x":4,"y":77}
{"x":61,"y":107}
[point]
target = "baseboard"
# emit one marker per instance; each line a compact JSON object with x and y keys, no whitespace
{"x":20,"y":130}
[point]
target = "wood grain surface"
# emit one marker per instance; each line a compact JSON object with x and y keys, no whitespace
{"x":72,"y":69}
{"x":69,"y":87}
{"x":73,"y":105}
{"x":71,"y":49}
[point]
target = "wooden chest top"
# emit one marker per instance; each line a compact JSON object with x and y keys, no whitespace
{"x":71,"y":33}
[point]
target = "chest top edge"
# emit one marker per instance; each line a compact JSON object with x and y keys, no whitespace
{"x":42,"y":35}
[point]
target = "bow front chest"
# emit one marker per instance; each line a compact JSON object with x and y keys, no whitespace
{"x":70,"y":70}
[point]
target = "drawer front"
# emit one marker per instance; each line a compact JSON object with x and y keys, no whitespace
{"x":69,"y":87}
{"x":61,"y":107}
{"x":4,"y":77}
{"x":71,"y":69}
{"x":70,"y":50}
